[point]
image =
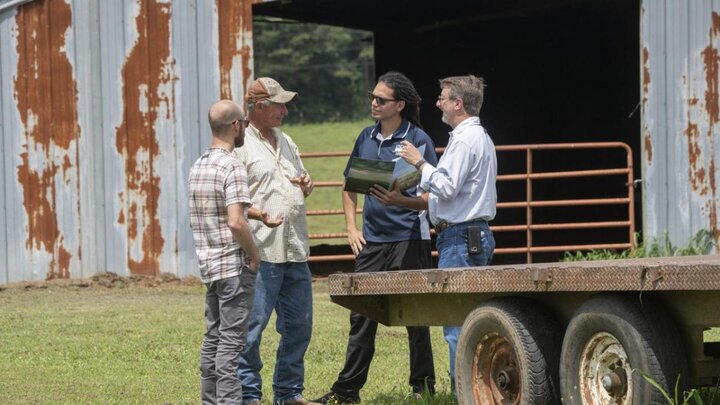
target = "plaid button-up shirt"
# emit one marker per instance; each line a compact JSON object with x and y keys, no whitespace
{"x":217,"y":180}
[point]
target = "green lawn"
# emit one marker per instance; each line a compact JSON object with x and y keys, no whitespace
{"x":329,"y":137}
{"x":73,"y":344}
{"x":139,"y":345}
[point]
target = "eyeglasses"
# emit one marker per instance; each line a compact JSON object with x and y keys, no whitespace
{"x":378,"y":99}
{"x":442,"y":99}
{"x":244,"y":122}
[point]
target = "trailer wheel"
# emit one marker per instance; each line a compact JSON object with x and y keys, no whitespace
{"x":508,"y":353}
{"x":609,"y":337}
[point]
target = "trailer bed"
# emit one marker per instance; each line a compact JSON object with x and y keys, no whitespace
{"x":688,"y":286}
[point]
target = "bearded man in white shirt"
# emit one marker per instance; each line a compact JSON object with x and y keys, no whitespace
{"x":462,"y":190}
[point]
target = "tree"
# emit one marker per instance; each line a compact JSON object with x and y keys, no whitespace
{"x":331,"y":68}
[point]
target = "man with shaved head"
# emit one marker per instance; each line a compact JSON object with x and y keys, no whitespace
{"x":227,"y":255}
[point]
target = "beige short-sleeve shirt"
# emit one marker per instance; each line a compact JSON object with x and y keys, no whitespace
{"x":269,"y":172}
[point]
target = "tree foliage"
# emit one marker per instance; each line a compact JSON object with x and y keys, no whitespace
{"x":331,"y":68}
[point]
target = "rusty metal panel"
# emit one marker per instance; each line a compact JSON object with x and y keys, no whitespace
{"x":111,"y":38}
{"x":190,"y":117}
{"x":45,"y":94}
{"x":147,"y":93}
{"x":85,"y":46}
{"x":103,"y":112}
{"x":681,"y":112}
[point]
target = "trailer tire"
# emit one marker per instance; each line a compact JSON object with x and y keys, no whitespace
{"x":609,"y":338}
{"x":508,"y":353}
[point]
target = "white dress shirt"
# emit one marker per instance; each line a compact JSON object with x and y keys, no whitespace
{"x":462,"y":186}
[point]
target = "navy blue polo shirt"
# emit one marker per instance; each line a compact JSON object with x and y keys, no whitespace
{"x":382,"y":224}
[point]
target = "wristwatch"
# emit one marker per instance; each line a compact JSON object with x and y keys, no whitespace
{"x":419,"y":163}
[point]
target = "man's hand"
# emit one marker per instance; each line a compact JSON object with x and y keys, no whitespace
{"x":254,"y":263}
{"x":269,"y":221}
{"x":356,"y":241}
{"x":305,"y":183}
{"x":410,"y":153}
{"x":385,"y":196}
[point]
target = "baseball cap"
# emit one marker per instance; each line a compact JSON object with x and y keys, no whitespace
{"x":265,"y":88}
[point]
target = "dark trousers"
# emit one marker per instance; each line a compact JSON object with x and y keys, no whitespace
{"x":406,"y":255}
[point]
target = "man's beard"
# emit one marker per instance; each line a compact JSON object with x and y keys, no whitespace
{"x":444,"y":119}
{"x":239,"y":141}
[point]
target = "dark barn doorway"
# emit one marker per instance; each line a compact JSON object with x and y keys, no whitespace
{"x":556,"y":71}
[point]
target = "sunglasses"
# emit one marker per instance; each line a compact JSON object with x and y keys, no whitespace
{"x":244,"y":122}
{"x":380,"y":100}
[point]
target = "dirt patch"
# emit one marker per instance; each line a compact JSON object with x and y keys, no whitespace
{"x":107,"y":280}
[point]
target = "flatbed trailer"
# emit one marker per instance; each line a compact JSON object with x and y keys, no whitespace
{"x":572,"y":332}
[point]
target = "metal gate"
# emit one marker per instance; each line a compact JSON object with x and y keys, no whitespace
{"x":614,"y":165}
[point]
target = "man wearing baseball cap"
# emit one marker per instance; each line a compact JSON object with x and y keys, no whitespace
{"x":278,"y":185}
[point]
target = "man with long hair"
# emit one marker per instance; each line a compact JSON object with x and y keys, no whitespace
{"x":395,"y":234}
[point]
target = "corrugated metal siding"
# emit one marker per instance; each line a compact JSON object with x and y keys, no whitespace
{"x":681,"y":117}
{"x":7,"y":125}
{"x":103,"y":112}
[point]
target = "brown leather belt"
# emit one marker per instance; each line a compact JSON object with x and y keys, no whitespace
{"x":441,"y":226}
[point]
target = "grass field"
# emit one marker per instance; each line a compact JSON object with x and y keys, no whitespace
{"x":329,"y":137}
{"x":72,"y":342}
{"x":139,"y":345}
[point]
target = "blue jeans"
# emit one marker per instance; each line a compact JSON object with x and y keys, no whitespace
{"x":286,"y":288}
{"x":452,"y":246}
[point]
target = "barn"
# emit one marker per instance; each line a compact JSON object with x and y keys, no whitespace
{"x":102,"y":107}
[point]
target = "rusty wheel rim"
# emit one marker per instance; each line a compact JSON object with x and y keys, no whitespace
{"x":605,"y":371}
{"x":495,"y":372}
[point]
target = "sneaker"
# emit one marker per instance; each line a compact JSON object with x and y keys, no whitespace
{"x":299,"y":400}
{"x":334,"y":398}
